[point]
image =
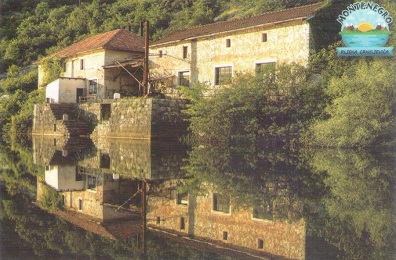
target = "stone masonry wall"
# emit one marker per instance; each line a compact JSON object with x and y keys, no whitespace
{"x":45,"y":123}
{"x":139,"y":118}
{"x":143,"y":118}
{"x":140,"y":158}
{"x":286,"y":43}
{"x":280,"y":238}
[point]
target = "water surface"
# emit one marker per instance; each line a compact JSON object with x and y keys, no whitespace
{"x":135,"y":199}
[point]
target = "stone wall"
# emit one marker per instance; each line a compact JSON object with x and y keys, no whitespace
{"x":44,"y":148}
{"x":90,"y":112}
{"x":45,"y":123}
{"x":48,"y":119}
{"x":138,"y":158}
{"x":140,"y":118}
{"x":143,"y":118}
{"x":279,"y":238}
{"x":168,"y":121}
{"x":286,"y":43}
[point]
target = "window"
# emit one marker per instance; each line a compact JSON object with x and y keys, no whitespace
{"x":182,"y":223}
{"x":228,"y":43}
{"x":63,"y":201}
{"x":93,"y":86}
{"x":185,"y":52}
{"x":105,"y":161}
{"x":223,"y":75}
{"x":105,"y":112}
{"x":64,"y":66}
{"x":266,"y":69}
{"x":221,"y":203}
{"x":260,"y":243}
{"x":158,"y":220}
{"x":225,"y":235}
{"x":81,"y":64}
{"x":160,"y":53}
{"x":79,"y":176}
{"x":264,"y":37}
{"x":184,"y":78}
{"x":263,"y":211}
{"x":182,"y":198}
{"x":80,"y":204}
{"x":91,"y":182}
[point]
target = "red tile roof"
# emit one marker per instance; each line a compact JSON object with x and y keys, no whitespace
{"x":119,"y":40}
{"x":302,"y":12}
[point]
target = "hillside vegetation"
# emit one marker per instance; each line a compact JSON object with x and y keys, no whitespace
{"x":30,"y":29}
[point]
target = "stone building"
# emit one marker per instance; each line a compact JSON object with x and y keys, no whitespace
{"x":108,"y":63}
{"x":82,"y":177}
{"x":213,"y":218}
{"x":213,"y":53}
{"x":97,"y":67}
{"x":107,"y":66}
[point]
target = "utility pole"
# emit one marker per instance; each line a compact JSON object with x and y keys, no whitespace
{"x":141,"y":29}
{"x":146,"y":60}
{"x":144,"y":220}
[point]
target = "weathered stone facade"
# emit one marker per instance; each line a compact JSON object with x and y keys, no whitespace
{"x":195,"y":217}
{"x":45,"y":122}
{"x":101,"y":201}
{"x":142,"y":159}
{"x":96,"y":181}
{"x":242,"y":51}
{"x":60,"y":120}
{"x":126,"y":158}
{"x":90,"y":67}
{"x":143,"y":118}
{"x":89,"y":60}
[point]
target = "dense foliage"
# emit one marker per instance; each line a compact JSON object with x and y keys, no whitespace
{"x":271,"y":109}
{"x":362,"y":111}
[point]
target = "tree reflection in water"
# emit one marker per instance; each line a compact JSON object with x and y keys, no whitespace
{"x":346,"y":197}
{"x":359,"y":209}
{"x":343,"y":198}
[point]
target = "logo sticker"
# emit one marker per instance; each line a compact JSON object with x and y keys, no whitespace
{"x":365,"y":30}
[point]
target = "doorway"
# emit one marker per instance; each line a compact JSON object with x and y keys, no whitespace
{"x":80,"y":94}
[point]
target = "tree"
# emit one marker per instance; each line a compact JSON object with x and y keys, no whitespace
{"x":362,"y":111}
{"x":271,"y":109}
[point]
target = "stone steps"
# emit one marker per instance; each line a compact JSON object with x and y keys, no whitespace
{"x":58,"y":110}
{"x":77,"y":127}
{"x":73,"y":124}
{"x":78,"y":143}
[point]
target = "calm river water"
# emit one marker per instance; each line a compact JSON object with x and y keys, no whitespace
{"x":135,"y":199}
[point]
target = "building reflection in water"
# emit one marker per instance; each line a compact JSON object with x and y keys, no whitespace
{"x":102,"y":189}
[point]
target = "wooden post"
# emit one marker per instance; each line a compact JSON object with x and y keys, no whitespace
{"x":144,"y":220}
{"x":141,"y":29}
{"x":146,"y":60}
